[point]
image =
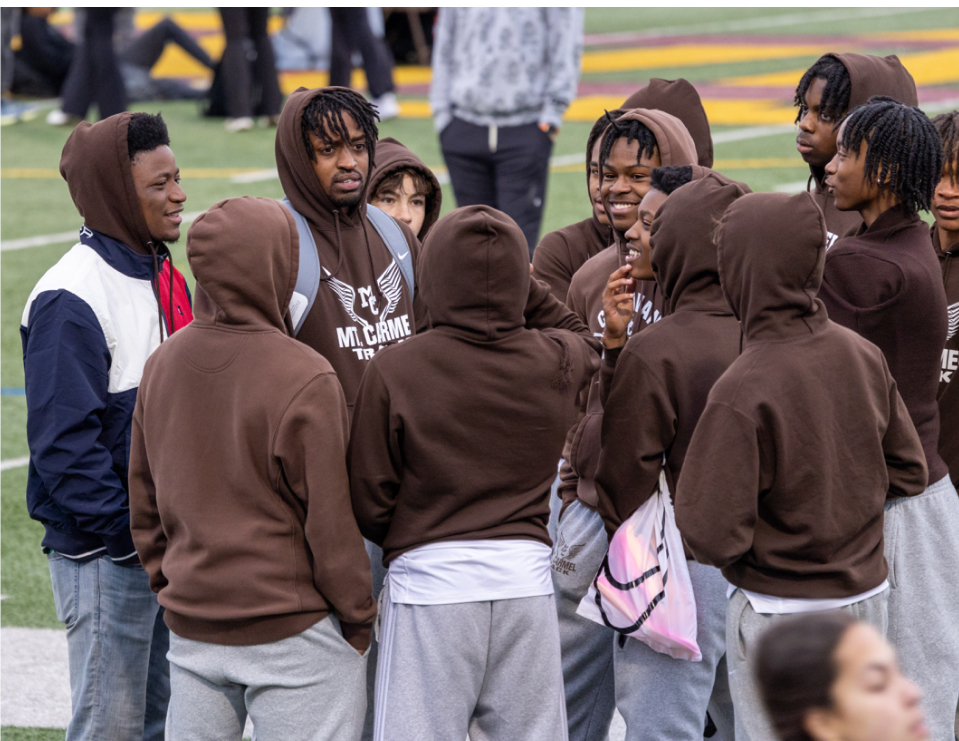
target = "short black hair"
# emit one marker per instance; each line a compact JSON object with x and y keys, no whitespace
{"x":632,"y":129}
{"x":668,"y":178}
{"x":903,"y":150}
{"x":323,"y":116}
{"x":947,"y":126}
{"x":836,"y":93}
{"x":145,"y":133}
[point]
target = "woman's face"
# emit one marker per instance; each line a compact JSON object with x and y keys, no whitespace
{"x":872,"y":700}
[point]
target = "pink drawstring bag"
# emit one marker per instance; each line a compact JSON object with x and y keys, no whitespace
{"x":643,"y":588}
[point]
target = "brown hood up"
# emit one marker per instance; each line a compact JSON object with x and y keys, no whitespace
{"x":296,"y":169}
{"x":391,"y":156}
{"x":244,"y":287}
{"x":96,"y":165}
{"x":870,"y":75}
{"x":683,"y":252}
{"x":482,"y":285}
{"x":680,"y":99}
{"x":771,"y":277}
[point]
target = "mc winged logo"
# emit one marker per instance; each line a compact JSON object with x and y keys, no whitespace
{"x":564,"y":555}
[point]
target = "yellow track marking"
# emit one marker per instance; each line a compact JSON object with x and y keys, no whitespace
{"x":690,"y":55}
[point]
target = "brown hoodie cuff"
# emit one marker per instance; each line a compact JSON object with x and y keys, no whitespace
{"x":358,"y":636}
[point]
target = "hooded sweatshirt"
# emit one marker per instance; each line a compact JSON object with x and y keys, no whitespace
{"x":805,"y":436}
{"x":868,"y":75}
{"x":391,"y":156}
{"x":885,"y":284}
{"x":238,"y":483}
{"x":949,"y":392}
{"x":443,"y":447}
{"x":680,"y":99}
{"x":664,"y":374}
{"x":87,"y":329}
{"x":363,"y":303}
{"x":581,"y":453}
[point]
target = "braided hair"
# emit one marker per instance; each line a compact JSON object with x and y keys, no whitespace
{"x":323,"y":117}
{"x":947,"y":124}
{"x":632,"y":130}
{"x":668,"y":178}
{"x":903,"y":150}
{"x":835,"y":95}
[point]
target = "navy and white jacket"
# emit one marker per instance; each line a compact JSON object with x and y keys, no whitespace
{"x":88,"y":327}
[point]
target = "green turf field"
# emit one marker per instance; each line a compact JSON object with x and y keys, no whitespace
{"x":34,"y":200}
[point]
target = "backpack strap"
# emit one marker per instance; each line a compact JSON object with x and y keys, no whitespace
{"x":308,"y":275}
{"x":395,"y":241}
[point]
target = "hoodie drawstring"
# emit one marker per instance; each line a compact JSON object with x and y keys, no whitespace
{"x":339,"y":249}
{"x":155,"y":284}
{"x":369,"y":254}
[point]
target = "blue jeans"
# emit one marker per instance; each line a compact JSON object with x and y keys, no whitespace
{"x":117,"y":641}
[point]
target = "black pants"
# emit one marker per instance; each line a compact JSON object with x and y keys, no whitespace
{"x":94,"y":75}
{"x":147,"y":48}
{"x":512,"y":179}
{"x":244,"y":27}
{"x":351,"y":32}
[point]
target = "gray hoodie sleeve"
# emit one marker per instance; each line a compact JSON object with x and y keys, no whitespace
{"x":442,"y":63}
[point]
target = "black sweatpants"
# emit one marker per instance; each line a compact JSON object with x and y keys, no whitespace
{"x":512,"y":178}
{"x":351,"y":32}
{"x":94,"y":75}
{"x":243,"y":27}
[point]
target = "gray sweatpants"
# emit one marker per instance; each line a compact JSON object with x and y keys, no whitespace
{"x":489,"y":670}
{"x":309,"y":686}
{"x":665,"y":698}
{"x":379,"y":574}
{"x":922,"y":548}
{"x":743,"y":628}
{"x":587,"y":647}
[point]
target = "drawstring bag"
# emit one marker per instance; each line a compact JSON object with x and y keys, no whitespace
{"x":643,"y":589}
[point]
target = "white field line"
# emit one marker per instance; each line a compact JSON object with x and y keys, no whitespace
{"x":47,"y":239}
{"x":797,"y":186}
{"x":749,"y":24}
{"x":256,"y":177}
{"x":14,"y":463}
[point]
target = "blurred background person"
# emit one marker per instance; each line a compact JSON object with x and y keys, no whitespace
{"x":829,"y":677}
{"x":249,"y":68}
{"x":502,"y":80}
{"x":351,"y":32}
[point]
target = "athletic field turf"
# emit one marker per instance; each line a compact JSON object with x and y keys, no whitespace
{"x":744,"y":61}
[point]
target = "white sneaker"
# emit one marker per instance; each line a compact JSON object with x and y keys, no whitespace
{"x":244,"y":123}
{"x":387,"y":105}
{"x":56,"y":117}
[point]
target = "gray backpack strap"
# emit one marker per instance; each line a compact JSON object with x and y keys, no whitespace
{"x":395,"y":241}
{"x":308,"y":275}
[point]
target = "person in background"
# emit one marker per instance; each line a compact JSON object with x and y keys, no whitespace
{"x":945,"y":238}
{"x":834,"y":85}
{"x":802,"y":441}
{"x":240,"y":501}
{"x":885,"y":284}
{"x":405,"y":188}
{"x":350,"y":32}
{"x":87,"y":330}
{"x":245,"y":28}
{"x":44,"y":57}
{"x":502,"y":80}
{"x":830,"y":677}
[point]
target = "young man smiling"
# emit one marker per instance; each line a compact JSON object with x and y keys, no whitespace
{"x":885,"y":284}
{"x":87,"y":330}
{"x":835,"y":84}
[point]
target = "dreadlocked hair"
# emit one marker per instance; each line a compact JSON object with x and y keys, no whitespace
{"x":668,"y":178}
{"x":632,"y":130}
{"x":903,"y":151}
{"x":323,"y":117}
{"x":835,"y":95}
{"x":947,"y":125}
{"x":597,"y":131}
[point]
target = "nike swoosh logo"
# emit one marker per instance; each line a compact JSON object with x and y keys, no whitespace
{"x":403,"y":256}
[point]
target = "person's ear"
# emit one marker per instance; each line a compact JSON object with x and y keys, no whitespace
{"x":821,"y":725}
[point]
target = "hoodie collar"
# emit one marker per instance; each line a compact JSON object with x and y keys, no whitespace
{"x":120,"y":257}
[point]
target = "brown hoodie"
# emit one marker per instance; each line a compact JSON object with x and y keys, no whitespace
{"x":391,"y":156}
{"x":664,"y":374}
{"x":239,"y":495}
{"x":804,"y":437}
{"x":868,"y":75}
{"x":444,"y":447}
{"x":581,"y":454}
{"x":363,"y":302}
{"x":949,"y":392}
{"x":885,"y":284}
{"x":680,"y":99}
